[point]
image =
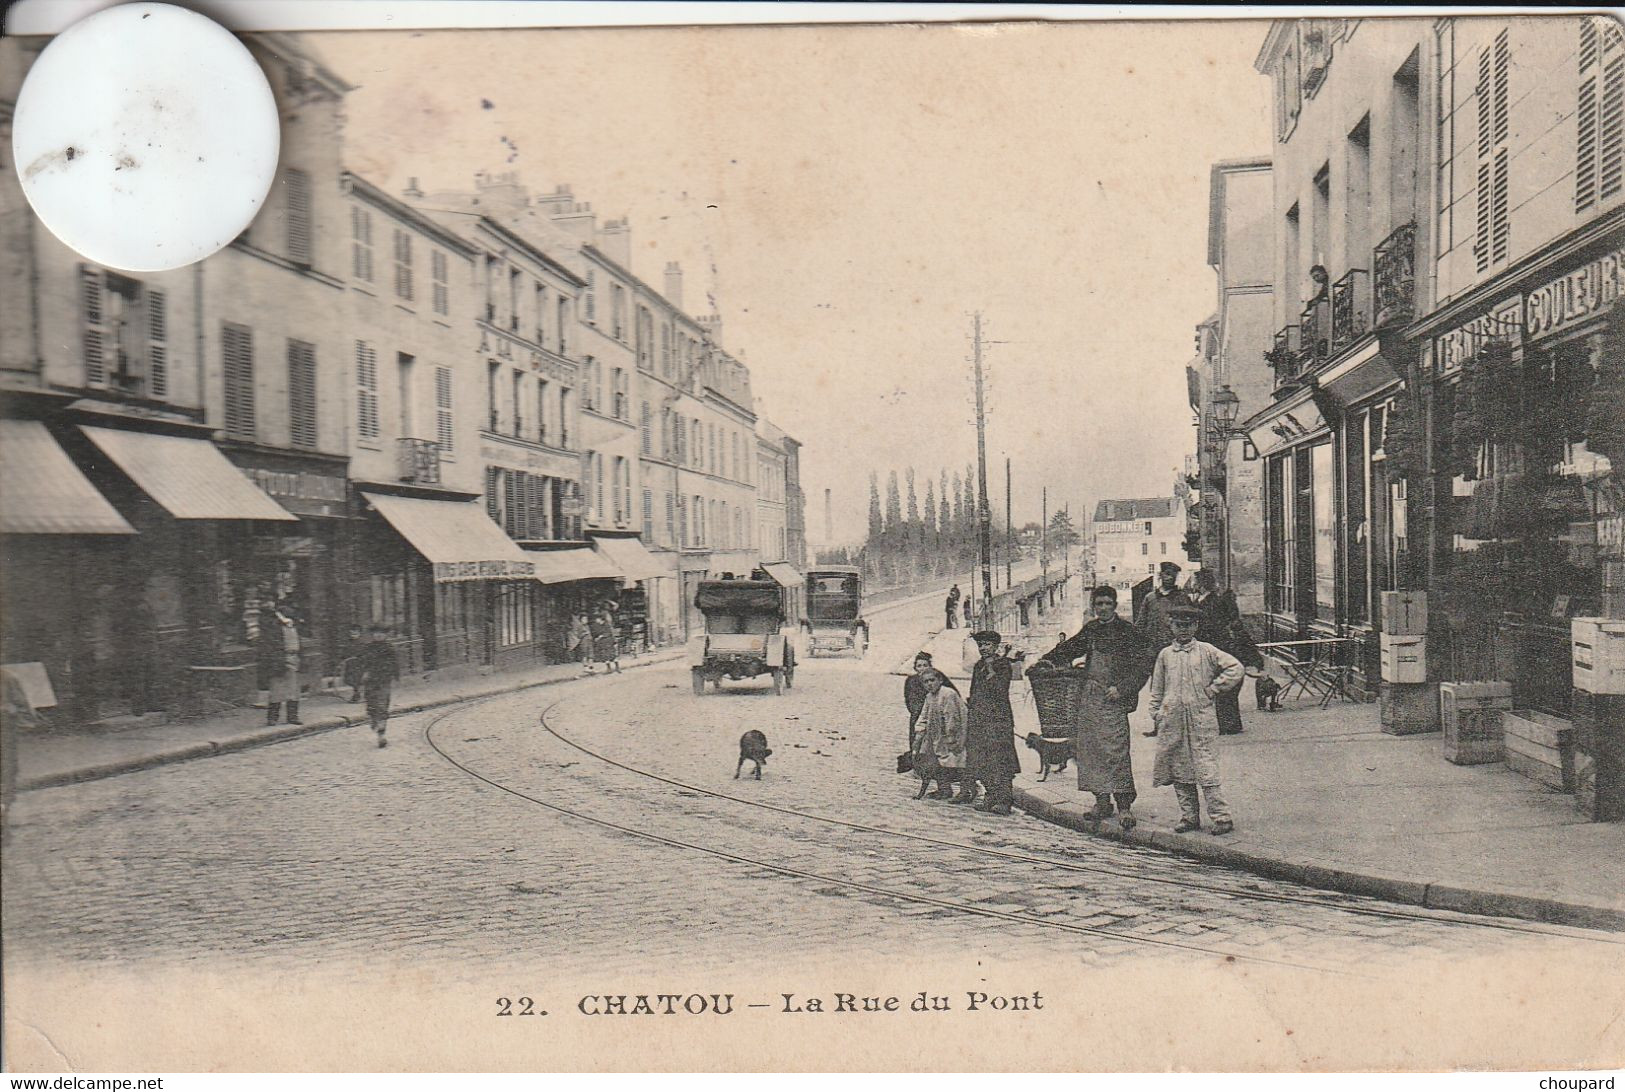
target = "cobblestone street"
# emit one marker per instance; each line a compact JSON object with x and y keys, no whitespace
{"x":327,"y":856}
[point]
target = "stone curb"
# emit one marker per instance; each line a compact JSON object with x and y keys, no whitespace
{"x":1433,"y":896}
{"x":283,"y":733}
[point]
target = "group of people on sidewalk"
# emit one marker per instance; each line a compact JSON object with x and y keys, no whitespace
{"x":952,"y":606}
{"x":593,"y":639}
{"x":969,"y":741}
{"x":1188,"y":649}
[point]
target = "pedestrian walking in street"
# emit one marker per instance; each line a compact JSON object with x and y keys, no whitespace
{"x":953,"y":606}
{"x":1116,"y":659}
{"x":1222,"y":628}
{"x":279,"y":643}
{"x":939,"y":745}
{"x":605,"y":647}
{"x":1183,"y":684}
{"x":380,"y":667}
{"x":16,"y":713}
{"x":578,"y":641}
{"x":970,"y":614}
{"x":350,"y":669}
{"x":990,"y":745}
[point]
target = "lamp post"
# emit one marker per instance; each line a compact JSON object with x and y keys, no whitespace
{"x":1223,"y":408}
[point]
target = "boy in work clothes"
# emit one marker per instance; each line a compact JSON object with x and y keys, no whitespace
{"x":378,"y":668}
{"x":1187,"y":676}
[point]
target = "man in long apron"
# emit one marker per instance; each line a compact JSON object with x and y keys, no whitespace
{"x":1116,"y":660}
{"x":1183,"y":684}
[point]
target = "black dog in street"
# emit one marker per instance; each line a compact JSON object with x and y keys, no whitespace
{"x":753,"y":748}
{"x":1052,"y":754}
{"x":1268,"y":693}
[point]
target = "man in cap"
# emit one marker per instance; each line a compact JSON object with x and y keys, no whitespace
{"x":1156,"y":607}
{"x":1189,"y":673}
{"x":1115,"y":659}
{"x":990,"y":744}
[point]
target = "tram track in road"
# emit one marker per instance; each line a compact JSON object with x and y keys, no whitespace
{"x":918,"y":898}
{"x":1338,"y":903}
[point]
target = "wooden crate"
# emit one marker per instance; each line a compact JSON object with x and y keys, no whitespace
{"x":1541,"y":747}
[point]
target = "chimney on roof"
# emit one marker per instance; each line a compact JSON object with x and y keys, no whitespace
{"x":615,"y":240}
{"x":712,"y":325}
{"x":412,"y":190}
{"x":674,"y":284}
{"x":576,"y":218}
{"x":501,"y":192}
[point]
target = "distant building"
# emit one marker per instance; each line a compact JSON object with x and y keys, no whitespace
{"x":1132,"y":537}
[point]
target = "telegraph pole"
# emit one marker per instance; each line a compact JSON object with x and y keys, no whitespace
{"x":1043,"y":542}
{"x":984,"y":515}
{"x":1009,"y":529}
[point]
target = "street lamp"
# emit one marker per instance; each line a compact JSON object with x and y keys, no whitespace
{"x":1224,"y":406}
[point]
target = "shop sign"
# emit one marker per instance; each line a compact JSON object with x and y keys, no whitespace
{"x":288,"y":546}
{"x":517,"y":457}
{"x":1455,"y":346}
{"x":302,"y":492}
{"x":446,"y":572}
{"x":1288,"y":427}
{"x":1576,"y":296}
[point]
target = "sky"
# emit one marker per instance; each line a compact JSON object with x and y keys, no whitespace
{"x":846,"y":198}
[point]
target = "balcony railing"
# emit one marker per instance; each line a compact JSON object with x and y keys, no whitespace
{"x":1283,"y":356}
{"x":418,"y":460}
{"x":1394,"y":264}
{"x":1315,"y":328}
{"x":1351,"y":307}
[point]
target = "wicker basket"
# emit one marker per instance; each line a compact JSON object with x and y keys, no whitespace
{"x":1058,"y":697}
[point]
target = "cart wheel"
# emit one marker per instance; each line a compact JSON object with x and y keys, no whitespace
{"x":699,"y":681}
{"x":778,"y":680}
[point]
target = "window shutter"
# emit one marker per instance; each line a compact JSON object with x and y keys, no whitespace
{"x":1501,"y":223}
{"x":511,"y":503}
{"x":1585,"y":162}
{"x":1611,"y":125}
{"x":443,"y":410}
{"x":95,"y":332}
{"x":492,"y":507}
{"x":296,"y":188}
{"x":302,"y":393}
{"x":157,"y":347}
{"x":1484,"y":100}
{"x":237,"y":358}
{"x":647,"y":428}
{"x":1500,"y":64}
{"x":366,"y":378}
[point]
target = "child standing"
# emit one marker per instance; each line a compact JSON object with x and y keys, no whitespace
{"x":379,"y":668}
{"x":1183,"y":684}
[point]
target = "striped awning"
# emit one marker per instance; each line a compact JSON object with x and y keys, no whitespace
{"x":456,"y":537}
{"x":43,"y":493}
{"x":560,"y":566}
{"x":784,"y":574}
{"x":629,"y":557}
{"x":189,"y":477}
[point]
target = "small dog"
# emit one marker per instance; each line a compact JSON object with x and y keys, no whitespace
{"x":1268,"y":693}
{"x":1052,"y":755}
{"x":928,"y":769}
{"x":753,"y":748}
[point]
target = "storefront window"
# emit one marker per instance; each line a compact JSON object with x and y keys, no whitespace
{"x":1356,"y":478}
{"x":388,"y":601}
{"x":1324,"y":501}
{"x":514,"y":605}
{"x":1282,"y":559}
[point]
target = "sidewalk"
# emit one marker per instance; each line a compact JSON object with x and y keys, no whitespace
{"x":48,"y":759}
{"x":1322,"y":797}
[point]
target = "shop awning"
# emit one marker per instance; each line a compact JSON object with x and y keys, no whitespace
{"x":189,"y":477}
{"x":43,"y":493}
{"x":572,"y":563}
{"x":456,"y":537}
{"x":629,"y":557}
{"x":783,"y":573}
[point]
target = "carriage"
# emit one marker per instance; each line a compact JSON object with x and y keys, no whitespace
{"x":743,"y":638}
{"x":835,"y":620}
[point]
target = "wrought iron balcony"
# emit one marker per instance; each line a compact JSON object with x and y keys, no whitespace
{"x":1283,"y":357}
{"x":1394,"y":264}
{"x":1351,"y":307}
{"x":1315,"y":328}
{"x":418,"y":460}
